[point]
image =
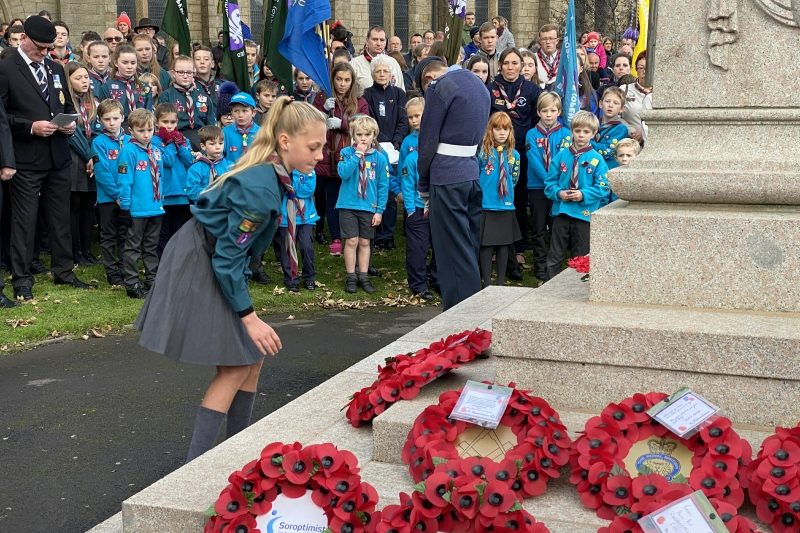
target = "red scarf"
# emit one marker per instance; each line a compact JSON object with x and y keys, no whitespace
{"x":212,"y":177}
{"x":102,"y":78}
{"x":502,"y":185}
{"x":128,"y":91}
{"x":294,"y":205}
{"x":87,"y":128}
{"x":245,"y":133}
{"x":550,"y":66}
{"x":367,"y":56}
{"x":573,"y":179}
{"x":603,"y":127}
{"x":363,"y":179}
{"x":118,"y":138}
{"x":207,"y":86}
{"x":304,"y":97}
{"x":512,"y":105}
{"x":187,"y":93}
{"x":155,"y":175}
{"x":546,"y":145}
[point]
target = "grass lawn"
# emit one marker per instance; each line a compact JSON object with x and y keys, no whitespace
{"x":57,"y":310}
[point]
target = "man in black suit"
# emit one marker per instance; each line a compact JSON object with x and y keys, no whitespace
{"x":7,"y":171}
{"x":33,"y":90}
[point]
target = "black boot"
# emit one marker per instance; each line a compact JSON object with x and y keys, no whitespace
{"x":365,"y":283}
{"x":239,"y":413}
{"x":206,"y":429}
{"x":350,"y":283}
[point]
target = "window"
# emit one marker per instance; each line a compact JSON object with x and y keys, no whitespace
{"x":155,"y":9}
{"x":257,"y":20}
{"x":401,"y":21}
{"x":129,"y":8}
{"x":481,"y":11}
{"x":504,"y":10}
{"x":376,"y":13}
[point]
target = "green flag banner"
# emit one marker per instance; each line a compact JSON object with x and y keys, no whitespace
{"x":274,"y":28}
{"x":456,"y":11}
{"x":176,"y":25}
{"x":234,"y":62}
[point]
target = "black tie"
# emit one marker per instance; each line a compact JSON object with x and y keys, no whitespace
{"x":41,"y":78}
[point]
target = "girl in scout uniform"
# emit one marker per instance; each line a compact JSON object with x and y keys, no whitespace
{"x":499,"y":167}
{"x":98,"y":56}
{"x":147,"y":61}
{"x":195,"y":108}
{"x":204,"y":269}
{"x":124,"y":85}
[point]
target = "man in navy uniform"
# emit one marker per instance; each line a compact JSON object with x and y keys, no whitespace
{"x":449,"y":172}
{"x":33,"y":90}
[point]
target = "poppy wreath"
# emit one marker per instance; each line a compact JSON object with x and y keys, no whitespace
{"x":454,"y":500}
{"x":404,"y":375}
{"x":579,"y":263}
{"x":542,"y":444}
{"x":773,"y":480}
{"x":719,"y":465}
{"x":291,"y":470}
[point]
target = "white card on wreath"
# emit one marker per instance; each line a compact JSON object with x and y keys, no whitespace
{"x":691,"y":514}
{"x":683,"y":412}
{"x":482,"y":404}
{"x":290,"y":515}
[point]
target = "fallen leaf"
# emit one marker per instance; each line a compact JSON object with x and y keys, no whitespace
{"x":85,"y":337}
{"x":54,"y":334}
{"x":56,"y":301}
{"x":290,"y":317}
{"x":97,"y":333}
{"x":277,"y":291}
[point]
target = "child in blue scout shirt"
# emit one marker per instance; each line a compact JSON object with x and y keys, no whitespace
{"x":106,"y":149}
{"x":305,"y":223}
{"x":240,"y":134}
{"x":195,"y":108}
{"x":612,"y":130}
{"x":140,"y":175}
{"x":233,"y":219}
{"x":124,"y":86}
{"x":266,"y":93}
{"x":210,"y":163}
{"x":577,"y":184}
{"x":176,"y":159}
{"x":362,"y":198}
{"x":498,"y":162}
{"x":414,"y":109}
{"x":542,"y":144}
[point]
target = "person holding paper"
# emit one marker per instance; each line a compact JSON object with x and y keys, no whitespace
{"x":33,"y":90}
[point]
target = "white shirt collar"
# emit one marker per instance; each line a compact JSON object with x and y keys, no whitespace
{"x":27,"y":59}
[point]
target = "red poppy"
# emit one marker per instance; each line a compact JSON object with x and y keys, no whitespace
{"x":497,"y":498}
{"x":341,"y":483}
{"x":731,"y":444}
{"x":623,"y":524}
{"x":424,"y":508}
{"x":767,"y":469}
{"x":475,"y":466}
{"x":245,"y":523}
{"x":785,"y":490}
{"x":297,"y":465}
{"x":464,"y":497}
{"x":290,"y":490}
{"x":437,"y":486}
{"x":351,"y":524}
{"x":272,"y":459}
{"x":727,"y":463}
{"x":593,"y":497}
{"x":710,"y":480}
{"x":215,"y":525}
{"x":649,"y":488}
{"x":618,"y":491}
{"x":504,"y":471}
{"x":262,"y":503}
{"x":717,"y":430}
{"x":781,"y":453}
{"x":231,"y":503}
{"x":595,"y":441}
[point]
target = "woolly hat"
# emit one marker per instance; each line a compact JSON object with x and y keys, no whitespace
{"x":474,"y":31}
{"x":226,"y":91}
{"x":40,"y":29}
{"x":123,"y":17}
{"x":593,"y":35}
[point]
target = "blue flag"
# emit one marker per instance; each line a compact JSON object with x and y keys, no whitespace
{"x":566,"y":84}
{"x":302,"y":46}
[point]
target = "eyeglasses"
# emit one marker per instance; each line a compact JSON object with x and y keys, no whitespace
{"x":113,"y":39}
{"x":43,"y":48}
{"x":548,"y":39}
{"x":184,"y":72}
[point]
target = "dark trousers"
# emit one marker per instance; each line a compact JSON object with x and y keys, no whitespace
{"x":2,"y":227}
{"x":55,"y":186}
{"x":521,"y":204}
{"x":567,"y":234}
{"x":5,"y":223}
{"x":141,"y":242}
{"x":112,"y":238}
{"x":455,"y":227}
{"x":540,"y":211}
{"x":257,"y":262}
{"x":385,"y":232}
{"x":332,"y":186}
{"x":175,"y":216}
{"x":320,"y":202}
{"x":82,"y":220}
{"x":305,"y":249}
{"x":418,"y":240}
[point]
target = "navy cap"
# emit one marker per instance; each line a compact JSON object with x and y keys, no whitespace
{"x":421,"y":66}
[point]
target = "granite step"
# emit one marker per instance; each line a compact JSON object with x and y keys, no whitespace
{"x":581,"y":354}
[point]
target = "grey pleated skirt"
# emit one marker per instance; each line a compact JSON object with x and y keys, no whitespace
{"x":186,"y":316}
{"x":499,"y":228}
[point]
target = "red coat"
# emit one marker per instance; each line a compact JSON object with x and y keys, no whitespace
{"x":331,"y":152}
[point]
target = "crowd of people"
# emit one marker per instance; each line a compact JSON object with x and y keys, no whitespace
{"x":156,"y":128}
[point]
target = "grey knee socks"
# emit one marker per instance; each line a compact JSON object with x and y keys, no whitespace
{"x":206,"y":429}
{"x":239,"y":413}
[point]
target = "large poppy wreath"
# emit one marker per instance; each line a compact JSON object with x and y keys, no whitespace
{"x":292,"y":470}
{"x":773,"y":480}
{"x":624,"y":434}
{"x":454,"y":500}
{"x":542,"y":445}
{"x":404,"y":375}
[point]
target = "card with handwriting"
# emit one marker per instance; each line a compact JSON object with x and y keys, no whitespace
{"x":482,"y":404}
{"x":683,"y":412}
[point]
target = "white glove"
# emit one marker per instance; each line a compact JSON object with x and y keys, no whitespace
{"x":329,"y":104}
{"x":334,"y":123}
{"x":426,"y":200}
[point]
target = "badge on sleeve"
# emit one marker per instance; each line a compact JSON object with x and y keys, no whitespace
{"x":248,"y":226}
{"x":122,"y":169}
{"x":57,"y":81}
{"x":243,"y":238}
{"x":96,"y":158}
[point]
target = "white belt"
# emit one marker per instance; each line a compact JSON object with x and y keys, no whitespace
{"x":456,"y":150}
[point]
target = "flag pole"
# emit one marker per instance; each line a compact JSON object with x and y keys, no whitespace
{"x":652,"y":26}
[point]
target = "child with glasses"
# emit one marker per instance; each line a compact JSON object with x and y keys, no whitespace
{"x":195,"y":107}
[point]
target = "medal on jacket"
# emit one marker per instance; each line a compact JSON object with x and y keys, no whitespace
{"x":61,"y":97}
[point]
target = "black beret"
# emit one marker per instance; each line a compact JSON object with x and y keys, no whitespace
{"x":40,"y":29}
{"x":421,"y":66}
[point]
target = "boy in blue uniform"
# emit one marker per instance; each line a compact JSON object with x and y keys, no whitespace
{"x":365,"y":188}
{"x":105,"y":149}
{"x":576,"y":183}
{"x":241,"y":133}
{"x":414,"y":109}
{"x":611,"y":130}
{"x":305,"y":224}
{"x":176,"y":159}
{"x":194,"y":107}
{"x":140,"y":171}
{"x":210,"y":163}
{"x":542,"y":143}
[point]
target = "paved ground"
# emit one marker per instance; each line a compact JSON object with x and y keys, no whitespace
{"x":86,"y":424}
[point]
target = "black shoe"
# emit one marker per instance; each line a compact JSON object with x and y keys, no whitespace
{"x":380,"y":245}
{"x":77,"y":258}
{"x":38,"y":268}
{"x":372,"y":271}
{"x":541,"y":274}
{"x":426,"y":296}
{"x":321,"y":238}
{"x":75,"y":282}
{"x":91,"y":259}
{"x":147,"y":285}
{"x":516,"y":275}
{"x":293,"y":288}
{"x":115,"y":279}
{"x":137,"y":291}
{"x":310,"y":286}
{"x":262,"y":278}
{"x":350,"y":284}
{"x":6,"y":303}
{"x":389,"y":245}
{"x":366,"y":284}
{"x":24,"y":293}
